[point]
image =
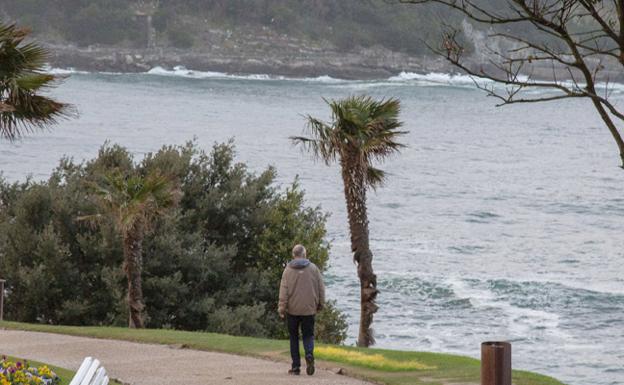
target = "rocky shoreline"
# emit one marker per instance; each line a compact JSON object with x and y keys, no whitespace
{"x":367,"y":64}
{"x":378,"y":63}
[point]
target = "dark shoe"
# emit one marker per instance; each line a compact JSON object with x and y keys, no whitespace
{"x":309,"y":365}
{"x":294,"y":372}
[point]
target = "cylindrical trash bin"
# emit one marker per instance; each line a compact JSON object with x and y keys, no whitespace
{"x":495,"y":363}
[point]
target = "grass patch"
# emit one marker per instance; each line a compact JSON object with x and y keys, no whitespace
{"x":372,"y":361}
{"x":379,"y":365}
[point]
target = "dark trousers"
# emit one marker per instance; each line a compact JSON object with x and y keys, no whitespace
{"x":306,"y":322}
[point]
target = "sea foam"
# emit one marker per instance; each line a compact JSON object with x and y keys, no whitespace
{"x":181,"y":71}
{"x":436,"y":79}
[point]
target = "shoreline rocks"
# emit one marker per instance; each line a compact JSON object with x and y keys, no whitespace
{"x":363,"y":64}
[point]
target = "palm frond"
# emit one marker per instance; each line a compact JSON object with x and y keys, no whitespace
{"x":31,"y":82}
{"x":359,"y":125}
{"x":93,"y":220}
{"x":133,"y":199}
{"x":21,"y":77}
{"x":375,"y":177}
{"x":323,"y":142}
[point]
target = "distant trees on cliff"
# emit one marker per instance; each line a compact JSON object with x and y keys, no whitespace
{"x":346,"y":23}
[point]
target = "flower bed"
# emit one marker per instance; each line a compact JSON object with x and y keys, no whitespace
{"x":21,"y":373}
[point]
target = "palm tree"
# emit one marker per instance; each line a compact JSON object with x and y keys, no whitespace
{"x":132,"y":203}
{"x":22,"y":108}
{"x":362,"y":130}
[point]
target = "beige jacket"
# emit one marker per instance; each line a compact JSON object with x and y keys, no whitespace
{"x":302,"y":291}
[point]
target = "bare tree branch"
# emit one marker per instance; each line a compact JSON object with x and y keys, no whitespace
{"x":579,"y":39}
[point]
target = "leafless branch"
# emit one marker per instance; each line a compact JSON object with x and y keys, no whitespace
{"x":579,"y":37}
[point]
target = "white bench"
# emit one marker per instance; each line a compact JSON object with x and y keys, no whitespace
{"x":90,"y":373}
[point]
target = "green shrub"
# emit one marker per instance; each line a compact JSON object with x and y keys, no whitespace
{"x":331,"y":325}
{"x":100,"y":23}
{"x":213,"y":264}
{"x":240,"y":320}
{"x":162,"y":18}
{"x":180,"y":37}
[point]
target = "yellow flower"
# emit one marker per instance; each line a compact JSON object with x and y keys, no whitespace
{"x":44,"y":371}
{"x":19,"y":377}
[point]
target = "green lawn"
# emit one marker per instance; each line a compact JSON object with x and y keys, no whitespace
{"x":389,"y":367}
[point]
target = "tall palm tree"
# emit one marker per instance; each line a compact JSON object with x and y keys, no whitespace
{"x":362,"y":130}
{"x":22,"y":107}
{"x":132,"y":203}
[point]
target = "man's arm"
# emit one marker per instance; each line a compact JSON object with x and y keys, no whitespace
{"x":321,"y":289}
{"x":283,"y":296}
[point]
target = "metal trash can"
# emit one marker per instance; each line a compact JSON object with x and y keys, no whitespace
{"x":495,"y":363}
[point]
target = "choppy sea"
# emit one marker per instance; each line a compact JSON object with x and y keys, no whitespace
{"x":495,"y":223}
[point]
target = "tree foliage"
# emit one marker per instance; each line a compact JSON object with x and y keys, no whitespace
{"x":214,"y":263}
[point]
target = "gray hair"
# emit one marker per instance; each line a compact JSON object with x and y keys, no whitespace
{"x":299,"y":251}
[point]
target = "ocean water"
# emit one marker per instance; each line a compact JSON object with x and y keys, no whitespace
{"x":495,"y":223}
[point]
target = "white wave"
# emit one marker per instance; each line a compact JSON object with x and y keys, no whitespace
{"x":456,"y":80}
{"x":322,"y":79}
{"x":521,"y":321}
{"x":181,"y":71}
{"x":438,"y":78}
{"x":63,"y":71}
{"x":403,"y":79}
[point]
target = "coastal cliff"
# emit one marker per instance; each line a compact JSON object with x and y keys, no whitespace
{"x":259,"y":52}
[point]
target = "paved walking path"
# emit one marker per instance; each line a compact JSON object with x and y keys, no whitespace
{"x":145,"y":364}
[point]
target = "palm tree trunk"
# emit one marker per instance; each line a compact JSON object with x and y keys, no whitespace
{"x":353,"y":176}
{"x":133,"y":266}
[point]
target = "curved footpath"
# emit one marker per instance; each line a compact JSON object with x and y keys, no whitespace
{"x":145,"y":364}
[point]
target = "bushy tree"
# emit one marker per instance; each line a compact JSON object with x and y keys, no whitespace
{"x":102,"y":22}
{"x":213,"y":263}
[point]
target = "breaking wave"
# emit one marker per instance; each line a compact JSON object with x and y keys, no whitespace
{"x":431,"y":79}
{"x":181,"y":71}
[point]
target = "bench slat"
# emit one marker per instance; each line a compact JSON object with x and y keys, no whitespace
{"x":88,"y":378}
{"x":82,"y":371}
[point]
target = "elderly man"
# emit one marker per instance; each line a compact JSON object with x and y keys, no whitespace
{"x":301,"y":296}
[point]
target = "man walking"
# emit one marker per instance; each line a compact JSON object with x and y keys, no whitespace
{"x":301,"y":296}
